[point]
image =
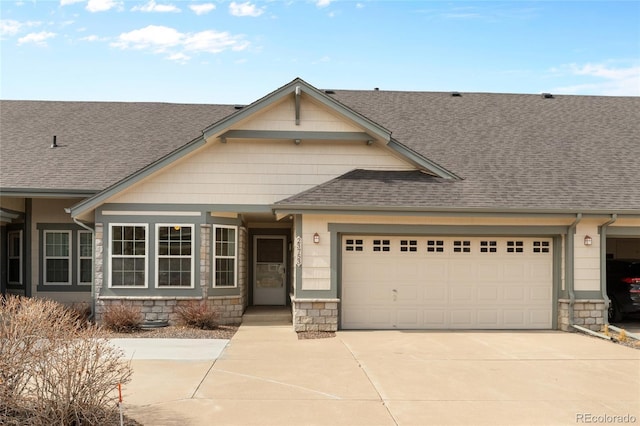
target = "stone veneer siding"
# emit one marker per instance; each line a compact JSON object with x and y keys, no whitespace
{"x":315,"y":314}
{"x":230,"y":308}
{"x":588,"y":313}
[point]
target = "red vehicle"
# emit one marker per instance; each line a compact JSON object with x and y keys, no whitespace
{"x":623,"y":288}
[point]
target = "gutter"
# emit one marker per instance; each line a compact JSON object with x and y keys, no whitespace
{"x":93,"y":234}
{"x":603,"y":264}
{"x":569,"y":265}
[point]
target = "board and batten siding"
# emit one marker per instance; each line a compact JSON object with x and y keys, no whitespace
{"x":313,"y":117}
{"x":256,"y":171}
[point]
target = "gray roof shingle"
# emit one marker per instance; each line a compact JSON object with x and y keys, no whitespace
{"x":512,"y":151}
{"x":99,"y":143}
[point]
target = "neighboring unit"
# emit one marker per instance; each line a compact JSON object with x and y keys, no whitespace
{"x":358,"y":209}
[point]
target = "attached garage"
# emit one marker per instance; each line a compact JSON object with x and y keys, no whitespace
{"x":424,"y":282}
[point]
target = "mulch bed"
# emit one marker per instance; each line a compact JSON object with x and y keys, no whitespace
{"x":177,"y":332}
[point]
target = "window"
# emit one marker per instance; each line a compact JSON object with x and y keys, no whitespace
{"x":175,"y":261}
{"x":541,"y":246}
{"x":515,"y":246}
{"x":353,"y":245}
{"x":128,"y":256}
{"x":408,"y":245}
{"x":14,"y":251}
{"x":488,"y":246}
{"x":224,"y":256}
{"x":85,"y":257}
{"x":462,"y":246}
{"x":435,"y":246}
{"x":381,"y":245}
{"x":57,"y":257}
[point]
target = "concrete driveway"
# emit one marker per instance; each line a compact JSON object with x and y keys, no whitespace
{"x":265,"y":376}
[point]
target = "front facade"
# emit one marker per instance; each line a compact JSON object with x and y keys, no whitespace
{"x":359,"y":210}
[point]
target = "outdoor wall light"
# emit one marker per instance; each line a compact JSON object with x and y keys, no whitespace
{"x":316,"y":238}
{"x":588,"y":240}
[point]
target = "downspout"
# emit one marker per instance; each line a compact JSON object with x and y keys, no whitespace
{"x":569,"y":264}
{"x":603,"y":265}
{"x":93,"y":296}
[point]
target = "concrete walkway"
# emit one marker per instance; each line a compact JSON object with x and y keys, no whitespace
{"x":266,"y":376}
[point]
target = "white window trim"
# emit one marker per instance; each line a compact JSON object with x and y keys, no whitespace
{"x":157,"y":255}
{"x":19,"y":256}
{"x":234,"y":257}
{"x":69,"y":257}
{"x":146,"y":255}
{"x":80,"y":258}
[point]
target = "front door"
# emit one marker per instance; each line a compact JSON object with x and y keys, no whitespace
{"x":269,"y":270}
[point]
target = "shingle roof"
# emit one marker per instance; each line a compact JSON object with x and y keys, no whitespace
{"x":99,"y":143}
{"x":512,"y":151}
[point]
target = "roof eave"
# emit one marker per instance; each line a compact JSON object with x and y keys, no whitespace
{"x":47,"y":193}
{"x":454,"y":211}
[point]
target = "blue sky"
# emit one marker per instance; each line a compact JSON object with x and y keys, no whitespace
{"x":209,"y":51}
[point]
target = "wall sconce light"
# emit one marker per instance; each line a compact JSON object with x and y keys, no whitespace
{"x":316,"y":238}
{"x":588,"y":240}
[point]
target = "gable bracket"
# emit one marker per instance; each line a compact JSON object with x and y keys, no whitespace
{"x":296,"y":136}
{"x":297,"y":95}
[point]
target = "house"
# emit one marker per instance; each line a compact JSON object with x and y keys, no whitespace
{"x":358,"y":209}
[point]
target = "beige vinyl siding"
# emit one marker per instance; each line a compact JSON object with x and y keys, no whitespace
{"x":587,"y":258}
{"x":257,"y":171}
{"x":16,"y":204}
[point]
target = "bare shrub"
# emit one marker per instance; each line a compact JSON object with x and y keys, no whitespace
{"x":122,"y":318}
{"x":51,"y":370}
{"x":198,"y":315}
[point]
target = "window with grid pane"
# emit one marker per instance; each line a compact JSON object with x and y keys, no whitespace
{"x":57,"y":257}
{"x":174,"y":256}
{"x":128,"y":255}
{"x":225,"y":256}
{"x":85,"y":257}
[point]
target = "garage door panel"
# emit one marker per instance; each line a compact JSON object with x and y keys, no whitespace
{"x":488,"y":319}
{"x":488,"y":293}
{"x":448,"y":282}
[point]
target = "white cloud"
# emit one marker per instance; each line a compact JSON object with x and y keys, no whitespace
{"x":68,"y":2}
{"x":37,"y":38}
{"x":160,"y":39}
{"x":101,"y":5}
{"x":92,"y":38}
{"x":609,"y":80}
{"x":323,"y":3}
{"x":9,"y":27}
{"x":359,"y":6}
{"x":179,"y":57}
{"x":152,"y":6}
{"x":156,"y":38}
{"x":214,"y":42}
{"x":201,"y":9}
{"x":245,"y":9}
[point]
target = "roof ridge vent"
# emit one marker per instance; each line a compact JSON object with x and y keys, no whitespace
{"x":547,"y":96}
{"x":237,"y":106}
{"x":330,"y":92}
{"x":456,"y":94}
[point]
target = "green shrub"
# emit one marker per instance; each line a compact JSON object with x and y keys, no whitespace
{"x":198,"y":315}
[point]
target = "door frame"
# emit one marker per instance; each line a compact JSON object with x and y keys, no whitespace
{"x":269,"y":232}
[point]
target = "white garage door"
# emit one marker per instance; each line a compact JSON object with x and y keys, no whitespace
{"x":446,"y":283}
